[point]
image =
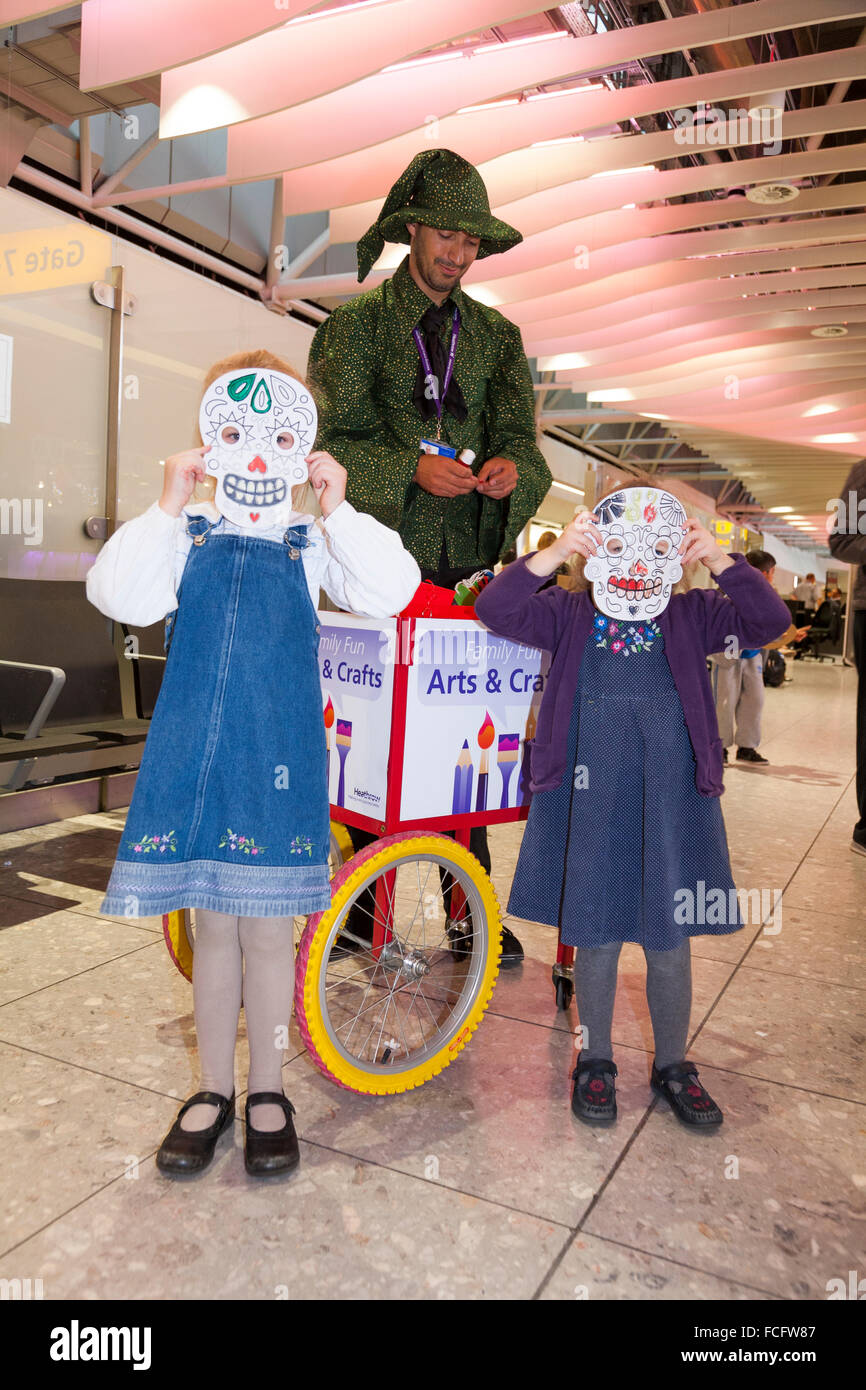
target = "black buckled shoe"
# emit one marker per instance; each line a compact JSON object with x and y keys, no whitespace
{"x":191,"y":1150}
{"x":270,"y":1151}
{"x":593,"y":1099}
{"x":680,"y":1087}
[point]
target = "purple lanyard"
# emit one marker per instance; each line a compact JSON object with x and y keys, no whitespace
{"x":430,"y":375}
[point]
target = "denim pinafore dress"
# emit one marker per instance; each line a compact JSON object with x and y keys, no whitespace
{"x":230,"y":809}
{"x":626,"y":848}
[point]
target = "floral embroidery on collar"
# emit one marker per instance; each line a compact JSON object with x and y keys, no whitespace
{"x":624,"y":637}
{"x":245,"y":843}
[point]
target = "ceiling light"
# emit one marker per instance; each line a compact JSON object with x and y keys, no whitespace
{"x":612,"y":173}
{"x":487,"y":105}
{"x":518,"y":43}
{"x":567,"y":92}
{"x":772,"y":103}
{"x":780,"y":509}
{"x":615,"y":393}
{"x":650,"y":416}
{"x":561,"y":362}
{"x":829,"y":330}
{"x":834,"y":439}
{"x":563,"y":140}
{"x":412,"y":62}
{"x":819,"y":410}
{"x":482,"y":295}
{"x":566,"y":487}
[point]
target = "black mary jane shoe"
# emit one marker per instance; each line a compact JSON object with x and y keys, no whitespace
{"x":689,"y":1101}
{"x":191,"y":1150}
{"x":270,"y":1151}
{"x":593,"y":1099}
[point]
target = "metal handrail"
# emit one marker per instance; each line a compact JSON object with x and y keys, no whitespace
{"x":58,"y":680}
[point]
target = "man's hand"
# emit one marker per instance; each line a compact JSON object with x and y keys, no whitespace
{"x":497,"y":477}
{"x":444,"y":477}
{"x":801,"y":633}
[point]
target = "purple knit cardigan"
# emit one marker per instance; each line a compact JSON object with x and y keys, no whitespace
{"x":693,"y":625}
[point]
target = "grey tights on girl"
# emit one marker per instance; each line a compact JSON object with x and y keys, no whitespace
{"x":249,"y":958}
{"x":668,"y":992}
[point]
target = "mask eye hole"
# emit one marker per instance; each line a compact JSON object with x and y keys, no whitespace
{"x":285,"y":440}
{"x":662,"y":547}
{"x":230,"y":434}
{"x":614,"y":545}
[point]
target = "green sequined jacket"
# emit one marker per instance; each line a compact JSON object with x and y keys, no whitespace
{"x":362,"y":367}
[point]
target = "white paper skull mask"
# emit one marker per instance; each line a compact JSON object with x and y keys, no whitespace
{"x":638,"y":561}
{"x":260,"y":424}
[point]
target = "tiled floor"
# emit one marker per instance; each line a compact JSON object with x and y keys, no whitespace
{"x":479,"y":1184}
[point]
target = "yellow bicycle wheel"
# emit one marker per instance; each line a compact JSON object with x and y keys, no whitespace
{"x":384,"y":1021}
{"x":177,"y":927}
{"x":177,"y":930}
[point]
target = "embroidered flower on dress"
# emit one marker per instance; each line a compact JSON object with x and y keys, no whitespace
{"x":301,"y":845}
{"x":600,"y":623}
{"x":245,"y":843}
{"x":154,"y":844}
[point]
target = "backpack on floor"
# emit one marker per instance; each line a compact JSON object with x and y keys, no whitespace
{"x":774,"y":669}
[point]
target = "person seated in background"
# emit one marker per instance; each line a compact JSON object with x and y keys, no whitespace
{"x":738,"y":681}
{"x":545,"y":540}
{"x":808,"y":592}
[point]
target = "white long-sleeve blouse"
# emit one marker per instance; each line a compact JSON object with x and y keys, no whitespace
{"x":361,"y":564}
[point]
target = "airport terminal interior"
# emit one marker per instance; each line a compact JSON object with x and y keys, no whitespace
{"x":223,"y":230}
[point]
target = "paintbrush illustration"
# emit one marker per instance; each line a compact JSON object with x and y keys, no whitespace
{"x":486,"y":735}
{"x":523,"y":792}
{"x":344,"y":743}
{"x":329,"y":716}
{"x":461,"y":800}
{"x":509,"y":746}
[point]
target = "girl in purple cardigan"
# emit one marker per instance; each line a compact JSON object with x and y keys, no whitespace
{"x":625,"y":839}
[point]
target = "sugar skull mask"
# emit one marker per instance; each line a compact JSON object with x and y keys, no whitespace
{"x":260,"y":424}
{"x":638,"y":561}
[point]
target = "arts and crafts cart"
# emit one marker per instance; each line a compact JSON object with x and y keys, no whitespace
{"x":429,"y":725}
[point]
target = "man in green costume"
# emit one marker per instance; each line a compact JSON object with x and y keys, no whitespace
{"x":416,"y":357}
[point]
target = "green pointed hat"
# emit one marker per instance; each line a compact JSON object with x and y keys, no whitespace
{"x":440,"y":189}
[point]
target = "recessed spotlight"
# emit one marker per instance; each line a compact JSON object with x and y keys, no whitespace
{"x":829,"y":330}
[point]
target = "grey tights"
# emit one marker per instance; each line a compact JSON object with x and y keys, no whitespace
{"x":251,"y":958}
{"x":668,"y":992}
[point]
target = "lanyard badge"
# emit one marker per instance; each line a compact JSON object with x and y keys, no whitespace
{"x":430,"y":380}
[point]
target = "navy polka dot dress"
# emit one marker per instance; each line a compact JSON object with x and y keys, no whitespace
{"x":626,"y":848}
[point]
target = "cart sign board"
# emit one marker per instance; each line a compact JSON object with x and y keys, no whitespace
{"x":472,"y":708}
{"x":357,"y":676}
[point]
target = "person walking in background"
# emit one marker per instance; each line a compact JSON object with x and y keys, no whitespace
{"x":417,"y":356}
{"x":738,"y":681}
{"x":808,"y":592}
{"x":848,"y":543}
